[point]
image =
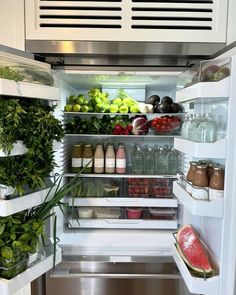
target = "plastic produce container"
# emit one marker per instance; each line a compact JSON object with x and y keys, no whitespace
{"x":163,"y":213}
{"x":85,"y":212}
{"x":139,"y":191}
{"x":134,"y":213}
{"x":110,"y":190}
{"x":9,"y":268}
{"x":107,"y":213}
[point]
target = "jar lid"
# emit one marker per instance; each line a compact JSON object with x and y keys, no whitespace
{"x":202,"y":166}
{"x":218,"y":168}
{"x":193,"y":163}
{"x":88,"y":145}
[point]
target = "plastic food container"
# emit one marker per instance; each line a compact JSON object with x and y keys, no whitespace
{"x":162,"y":188}
{"x":85,"y":212}
{"x":107,"y":213}
{"x":140,"y":181}
{"x":163,"y":213}
{"x":139,"y":191}
{"x":110,"y":190}
{"x":134,"y":213}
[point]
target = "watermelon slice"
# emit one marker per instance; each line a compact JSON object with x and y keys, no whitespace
{"x":192,"y":250}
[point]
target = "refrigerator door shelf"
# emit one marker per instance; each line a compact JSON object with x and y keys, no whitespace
{"x":11,"y":206}
{"x":201,"y":150}
{"x":30,"y":90}
{"x":123,"y":202}
{"x":123,"y":223}
{"x":18,"y":149}
{"x":198,"y":207}
{"x":195,"y":284}
{"x":8,"y":287}
{"x":205,"y":90}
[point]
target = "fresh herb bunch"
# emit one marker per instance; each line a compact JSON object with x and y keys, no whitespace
{"x":32,"y":122}
{"x":21,"y":232}
{"x":8,"y":73}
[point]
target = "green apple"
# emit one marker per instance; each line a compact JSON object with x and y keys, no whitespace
{"x":118,"y":102}
{"x":124,"y":109}
{"x":84,"y":109}
{"x":72,"y":99}
{"x":99,"y":107}
{"x":76,"y":107}
{"x":68,"y":107}
{"x":106,"y":107}
{"x":91,"y":108}
{"x":85,"y":101}
{"x":80,"y":99}
{"x":134,"y":108}
{"x":114,"y":108}
{"x":128,"y":101}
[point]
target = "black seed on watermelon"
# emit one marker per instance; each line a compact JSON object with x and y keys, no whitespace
{"x":167,"y":99}
{"x":153,"y":99}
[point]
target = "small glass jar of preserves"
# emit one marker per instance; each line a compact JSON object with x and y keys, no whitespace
{"x":76,"y":158}
{"x":190,"y":176}
{"x":216,"y":185}
{"x":209,"y":169}
{"x":200,"y":183}
{"x":88,"y":159}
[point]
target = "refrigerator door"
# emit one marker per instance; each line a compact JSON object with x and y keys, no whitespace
{"x":27,"y":86}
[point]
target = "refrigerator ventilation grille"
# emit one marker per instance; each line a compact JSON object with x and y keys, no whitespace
{"x":172,"y":14}
{"x":105,"y":14}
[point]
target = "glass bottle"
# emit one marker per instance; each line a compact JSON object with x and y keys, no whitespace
{"x":193,"y":128}
{"x":121,"y":159}
{"x":149,"y":161}
{"x":137,"y":160}
{"x":200,"y":182}
{"x":173,"y":161}
{"x":110,"y":159}
{"x":76,"y":158}
{"x":216,"y":185}
{"x":207,"y":129}
{"x":162,"y":161}
{"x":190,"y":176}
{"x":185,"y":126}
{"x":88,"y":159}
{"x":99,"y":160}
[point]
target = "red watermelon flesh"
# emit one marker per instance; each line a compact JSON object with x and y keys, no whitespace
{"x":192,"y":250}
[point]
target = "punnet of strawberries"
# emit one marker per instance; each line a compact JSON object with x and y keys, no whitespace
{"x":165,"y":124}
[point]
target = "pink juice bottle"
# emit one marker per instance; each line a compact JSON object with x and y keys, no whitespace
{"x":121,"y":159}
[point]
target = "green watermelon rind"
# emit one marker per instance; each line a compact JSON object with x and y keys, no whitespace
{"x":207,"y":272}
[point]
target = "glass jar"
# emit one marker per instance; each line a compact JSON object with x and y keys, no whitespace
{"x":88,"y":159}
{"x":216,"y":186}
{"x":200,"y":183}
{"x":76,"y":158}
{"x":190,"y":176}
{"x":99,"y":159}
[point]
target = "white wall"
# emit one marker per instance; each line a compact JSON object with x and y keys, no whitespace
{"x":12,"y":25}
{"x":231,"y":34}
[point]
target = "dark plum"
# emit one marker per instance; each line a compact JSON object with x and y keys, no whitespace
{"x":153,"y":99}
{"x":167,"y":99}
{"x":163,"y":108}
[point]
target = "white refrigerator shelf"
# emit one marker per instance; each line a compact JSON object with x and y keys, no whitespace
{"x":213,"y":208}
{"x":217,"y":90}
{"x":123,"y":223}
{"x":104,"y":175}
{"x":195,"y":284}
{"x":30,"y":90}
{"x":201,"y":150}
{"x":9,"y":207}
{"x":18,"y":149}
{"x":8,"y":287}
{"x":124,"y":202}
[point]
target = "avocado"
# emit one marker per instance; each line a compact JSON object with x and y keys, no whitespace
{"x":153,"y":99}
{"x":167,"y":99}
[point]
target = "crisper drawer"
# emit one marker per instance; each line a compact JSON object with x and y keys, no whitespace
{"x":101,"y":276}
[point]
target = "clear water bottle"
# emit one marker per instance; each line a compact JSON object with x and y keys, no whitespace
{"x":162,"y":161}
{"x":137,"y":160}
{"x":185,"y":126}
{"x":193,"y":134}
{"x":173,"y":161}
{"x":149,"y":161}
{"x":207,"y":129}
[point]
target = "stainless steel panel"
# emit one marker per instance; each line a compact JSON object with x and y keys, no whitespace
{"x":98,"y":276}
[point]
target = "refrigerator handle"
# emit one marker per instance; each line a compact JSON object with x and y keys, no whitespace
{"x":71,"y":274}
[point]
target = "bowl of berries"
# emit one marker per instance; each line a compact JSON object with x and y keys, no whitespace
{"x":166,"y":124}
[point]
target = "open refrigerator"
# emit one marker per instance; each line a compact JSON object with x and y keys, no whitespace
{"x":119,"y":240}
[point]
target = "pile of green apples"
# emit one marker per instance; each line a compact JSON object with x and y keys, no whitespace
{"x":78,"y":103}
